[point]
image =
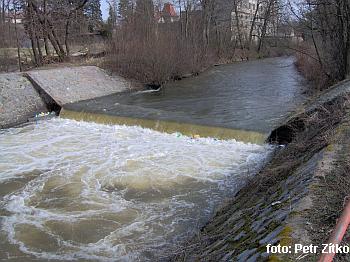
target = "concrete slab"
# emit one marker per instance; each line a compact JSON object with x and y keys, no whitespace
{"x":18,"y":100}
{"x":71,"y":84}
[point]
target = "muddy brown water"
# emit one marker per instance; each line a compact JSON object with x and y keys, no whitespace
{"x":76,"y":190}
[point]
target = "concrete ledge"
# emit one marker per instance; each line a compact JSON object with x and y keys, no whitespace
{"x":72,"y":84}
{"x":18,"y":100}
{"x":24,"y":95}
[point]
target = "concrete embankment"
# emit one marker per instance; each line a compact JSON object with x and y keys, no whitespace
{"x":22,"y":96}
{"x":295,"y":199}
{"x":73,"y":84}
{"x":18,"y":100}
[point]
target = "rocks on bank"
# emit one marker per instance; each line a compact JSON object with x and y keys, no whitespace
{"x":295,"y":199}
{"x":23,"y":96}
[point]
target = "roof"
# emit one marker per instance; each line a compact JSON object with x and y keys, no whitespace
{"x":169,"y":10}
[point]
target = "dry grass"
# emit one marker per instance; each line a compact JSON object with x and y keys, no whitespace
{"x":329,"y":198}
{"x":330,"y":193}
{"x":312,"y":71}
{"x":313,"y":132}
{"x":318,"y":74}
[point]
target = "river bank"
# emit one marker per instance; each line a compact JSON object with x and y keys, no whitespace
{"x":295,"y":199}
{"x":156,"y":85}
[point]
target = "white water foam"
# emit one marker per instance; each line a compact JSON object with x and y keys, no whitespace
{"x":113,"y":192}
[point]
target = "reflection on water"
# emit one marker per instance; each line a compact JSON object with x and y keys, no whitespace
{"x":75,"y":190}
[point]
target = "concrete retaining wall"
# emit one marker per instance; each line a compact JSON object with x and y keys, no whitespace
{"x":23,"y":96}
{"x":18,"y":100}
{"x":72,"y":84}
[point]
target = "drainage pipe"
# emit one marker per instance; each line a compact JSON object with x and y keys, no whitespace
{"x":338,"y":233}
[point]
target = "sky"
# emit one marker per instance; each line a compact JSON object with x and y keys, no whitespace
{"x":104,"y":7}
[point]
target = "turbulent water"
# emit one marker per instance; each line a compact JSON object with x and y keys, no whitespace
{"x":73,"y":190}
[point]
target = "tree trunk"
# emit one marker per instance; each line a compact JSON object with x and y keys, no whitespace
{"x":238,"y":24}
{"x":264,"y":28}
{"x":39,"y":48}
{"x":3,"y":16}
{"x":47,"y":48}
{"x":17,"y":43}
{"x":51,"y":32}
{"x":253,"y":24}
{"x":186,"y":23}
{"x":32,"y":35}
{"x":207,"y":17}
{"x":66,"y":38}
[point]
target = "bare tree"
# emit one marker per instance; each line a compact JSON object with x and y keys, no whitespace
{"x":208,"y":10}
{"x":253,"y":24}
{"x":16,"y":7}
{"x":325,"y":25}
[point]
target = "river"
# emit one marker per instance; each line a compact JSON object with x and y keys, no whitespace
{"x":73,"y":190}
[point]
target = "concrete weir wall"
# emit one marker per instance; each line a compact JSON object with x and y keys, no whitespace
{"x":19,"y":101}
{"x":72,"y":84}
{"x":22,"y":96}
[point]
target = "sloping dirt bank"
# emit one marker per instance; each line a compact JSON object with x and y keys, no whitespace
{"x":295,"y":199}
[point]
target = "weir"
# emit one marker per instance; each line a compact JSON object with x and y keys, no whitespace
{"x":84,"y":93}
{"x":102,"y":187}
{"x":23,"y":96}
{"x":192,"y":107}
{"x":191,"y":130}
{"x":87,"y":191}
{"x":72,"y":84}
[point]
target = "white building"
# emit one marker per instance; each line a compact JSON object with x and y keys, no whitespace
{"x":11,"y":18}
{"x":243,"y":18}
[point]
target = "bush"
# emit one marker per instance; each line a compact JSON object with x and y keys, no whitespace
{"x":163,"y":57}
{"x":312,"y":70}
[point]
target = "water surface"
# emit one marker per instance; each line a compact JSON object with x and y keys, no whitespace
{"x":75,"y":190}
{"x":255,"y":95}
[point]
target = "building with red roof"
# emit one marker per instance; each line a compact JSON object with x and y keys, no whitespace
{"x":167,"y":15}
